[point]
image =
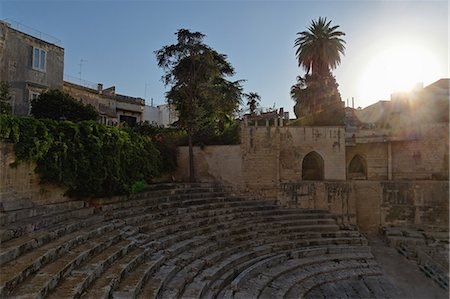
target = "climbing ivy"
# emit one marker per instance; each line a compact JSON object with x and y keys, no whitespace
{"x":86,"y":158}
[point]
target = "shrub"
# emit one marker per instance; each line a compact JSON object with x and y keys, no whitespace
{"x":86,"y":158}
{"x":166,"y":141}
{"x":138,"y":186}
{"x":5,"y":98}
{"x":57,"y":105}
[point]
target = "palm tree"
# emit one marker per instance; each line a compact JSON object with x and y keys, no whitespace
{"x":253,"y":99}
{"x":320,"y":48}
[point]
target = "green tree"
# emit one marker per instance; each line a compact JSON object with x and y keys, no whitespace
{"x":316,"y":94}
{"x":5,"y":98}
{"x":200,"y":92}
{"x":320,"y":48}
{"x":58,"y":105}
{"x":253,"y":100}
{"x":318,"y":101}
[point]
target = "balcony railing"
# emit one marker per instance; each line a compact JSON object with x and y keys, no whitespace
{"x":33,"y":32}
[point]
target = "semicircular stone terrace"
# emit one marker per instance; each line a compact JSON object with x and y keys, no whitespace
{"x":183,"y":241}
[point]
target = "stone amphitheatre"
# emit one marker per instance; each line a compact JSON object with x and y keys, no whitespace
{"x":291,"y":212}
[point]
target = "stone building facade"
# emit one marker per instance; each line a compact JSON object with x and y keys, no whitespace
{"x":113,"y":108}
{"x":30,"y":65}
{"x":392,"y":171}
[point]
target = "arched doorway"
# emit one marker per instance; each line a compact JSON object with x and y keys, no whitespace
{"x":357,"y":169}
{"x":312,"y":167}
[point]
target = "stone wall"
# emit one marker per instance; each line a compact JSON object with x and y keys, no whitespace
{"x":271,"y":155}
{"x":212,"y":163}
{"x":332,"y":196}
{"x":370,"y":203}
{"x":416,"y":153}
{"x":268,"y":163}
{"x":425,"y":158}
{"x":376,"y":157}
{"x":20,"y":184}
{"x":297,"y":142}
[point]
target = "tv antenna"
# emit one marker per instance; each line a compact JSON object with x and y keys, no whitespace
{"x":145,"y":95}
{"x":81,"y":65}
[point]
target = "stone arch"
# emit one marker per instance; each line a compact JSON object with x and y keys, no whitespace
{"x":313,"y":167}
{"x":357,"y":169}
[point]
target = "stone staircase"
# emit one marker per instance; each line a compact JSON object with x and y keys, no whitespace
{"x":428,"y":247}
{"x":182,"y":241}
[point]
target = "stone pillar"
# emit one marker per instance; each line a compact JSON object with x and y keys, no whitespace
{"x":281,"y":116}
{"x":389,"y":166}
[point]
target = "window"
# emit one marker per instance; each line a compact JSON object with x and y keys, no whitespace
{"x":39,"y":57}
{"x":129,"y":120}
{"x":33,"y":96}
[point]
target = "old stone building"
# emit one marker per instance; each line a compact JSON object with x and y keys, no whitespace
{"x":388,"y":166}
{"x":112,"y":107}
{"x":30,"y":65}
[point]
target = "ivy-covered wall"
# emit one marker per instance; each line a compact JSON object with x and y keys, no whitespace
{"x":86,"y":159}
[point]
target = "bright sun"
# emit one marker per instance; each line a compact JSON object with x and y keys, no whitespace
{"x":397,"y":69}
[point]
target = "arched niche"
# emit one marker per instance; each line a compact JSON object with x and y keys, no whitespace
{"x":357,"y":169}
{"x":312,"y":167}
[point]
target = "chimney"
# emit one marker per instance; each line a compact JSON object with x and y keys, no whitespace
{"x":100,"y":88}
{"x":110,"y":91}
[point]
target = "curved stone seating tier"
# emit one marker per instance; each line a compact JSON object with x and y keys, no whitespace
{"x":362,"y":287}
{"x":176,"y":241}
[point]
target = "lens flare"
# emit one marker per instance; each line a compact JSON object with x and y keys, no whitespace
{"x":397,"y":69}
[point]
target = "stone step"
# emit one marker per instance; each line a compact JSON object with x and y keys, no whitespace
{"x":172,"y":242}
{"x":132,"y":284}
{"x":435,"y":274}
{"x":216,"y":287}
{"x":309,"y":271}
{"x":14,"y":248}
{"x":157,"y":211}
{"x":16,"y":271}
{"x":301,"y":288}
{"x":77,"y":281}
{"x":243,"y":251}
{"x":11,"y":216}
{"x":16,"y":204}
{"x":35,"y":223}
{"x":164,"y":227}
{"x":261,"y":266}
{"x":160,"y":229}
{"x":175,"y":250}
{"x":110,"y":279}
{"x":161,"y":200}
{"x":190,"y":263}
{"x":154,"y":286}
{"x":245,"y":260}
{"x":49,"y":276}
{"x":214,"y":230}
{"x":160,"y":218}
{"x":296,"y":267}
{"x":361,"y":287}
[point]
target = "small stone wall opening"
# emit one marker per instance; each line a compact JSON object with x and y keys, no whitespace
{"x":357,"y":169}
{"x":312,"y":167}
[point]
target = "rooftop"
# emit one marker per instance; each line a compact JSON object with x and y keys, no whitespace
{"x":31,"y":32}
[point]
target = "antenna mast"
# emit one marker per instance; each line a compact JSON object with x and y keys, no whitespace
{"x":81,"y":65}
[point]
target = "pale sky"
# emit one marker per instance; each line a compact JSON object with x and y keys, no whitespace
{"x":390,"y":44}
